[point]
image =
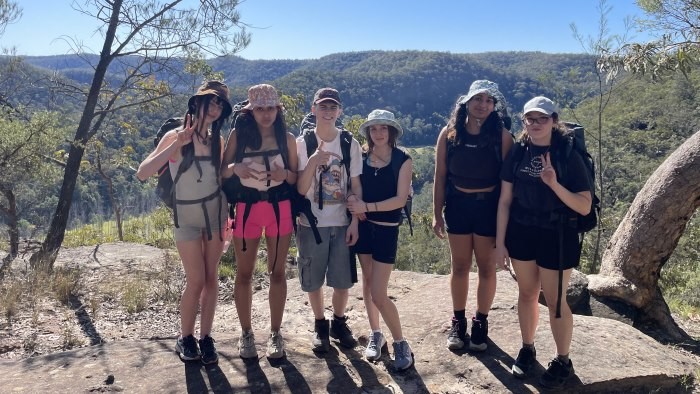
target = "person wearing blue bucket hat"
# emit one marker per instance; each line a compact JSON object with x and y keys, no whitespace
{"x":384,"y":193}
{"x":469,"y":154}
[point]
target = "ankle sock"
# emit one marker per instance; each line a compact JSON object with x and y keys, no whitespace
{"x":460,"y":315}
{"x":481,"y":317}
{"x":564,"y":358}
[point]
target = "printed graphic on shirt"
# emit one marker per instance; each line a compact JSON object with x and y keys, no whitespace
{"x":332,"y":180}
{"x":534,"y":167}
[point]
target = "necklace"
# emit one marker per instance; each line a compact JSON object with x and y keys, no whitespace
{"x":378,"y":161}
{"x":204,"y":140}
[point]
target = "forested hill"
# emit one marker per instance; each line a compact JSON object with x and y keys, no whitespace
{"x":420,"y":86}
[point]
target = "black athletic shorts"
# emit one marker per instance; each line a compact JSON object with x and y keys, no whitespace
{"x":379,"y":241}
{"x":473,"y":213}
{"x":542,"y":245}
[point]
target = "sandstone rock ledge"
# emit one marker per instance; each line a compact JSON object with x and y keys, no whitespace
{"x":608,"y":356}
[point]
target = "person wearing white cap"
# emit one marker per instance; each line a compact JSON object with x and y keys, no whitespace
{"x":383,"y":196}
{"x":534,"y":231}
{"x":468,"y":158}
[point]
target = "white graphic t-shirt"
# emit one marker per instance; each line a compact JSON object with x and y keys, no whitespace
{"x":333,"y":180}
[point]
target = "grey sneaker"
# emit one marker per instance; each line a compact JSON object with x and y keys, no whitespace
{"x":374,"y":346}
{"x":275,"y":345}
{"x":320,"y":341}
{"x":341,"y":332}
{"x":403,"y":357}
{"x":187,"y":348}
{"x":457,"y":335}
{"x":246,"y":345}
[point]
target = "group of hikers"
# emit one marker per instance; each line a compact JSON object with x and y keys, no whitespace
{"x":344,"y":199}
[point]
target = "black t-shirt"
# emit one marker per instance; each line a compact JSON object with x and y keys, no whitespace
{"x":529,"y":192}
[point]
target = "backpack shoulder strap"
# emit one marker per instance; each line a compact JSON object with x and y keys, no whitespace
{"x":519,"y":149}
{"x":345,"y":145}
{"x":310,"y":141}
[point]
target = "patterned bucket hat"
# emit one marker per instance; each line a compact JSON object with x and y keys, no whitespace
{"x":262,"y":95}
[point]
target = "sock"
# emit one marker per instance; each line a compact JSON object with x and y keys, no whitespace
{"x":460,"y":315}
{"x":528,"y":345}
{"x":399,"y":340}
{"x":564,"y":358}
{"x":336,"y":317}
{"x":481,"y":317}
{"x":320,"y":320}
{"x":379,"y":330}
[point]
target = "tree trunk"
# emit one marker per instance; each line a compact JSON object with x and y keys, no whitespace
{"x":46,"y":255}
{"x":649,"y":233}
{"x":10,"y":215}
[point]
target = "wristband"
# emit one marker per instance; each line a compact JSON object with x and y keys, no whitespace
{"x":366,"y":208}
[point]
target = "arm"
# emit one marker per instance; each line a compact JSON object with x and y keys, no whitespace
{"x":504,"y":202}
{"x":293,"y":159}
{"x":506,"y":142}
{"x":168,"y":148}
{"x":439,"y":183}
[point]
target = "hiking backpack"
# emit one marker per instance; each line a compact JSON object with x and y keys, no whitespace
{"x":398,"y":157}
{"x":164,"y":188}
{"x":573,"y":141}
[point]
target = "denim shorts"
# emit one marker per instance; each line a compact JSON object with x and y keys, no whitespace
{"x":329,"y":260}
{"x":469,"y":214}
{"x":379,"y":241}
{"x":528,"y":243}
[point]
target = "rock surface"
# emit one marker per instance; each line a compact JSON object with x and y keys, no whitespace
{"x":608,"y":356}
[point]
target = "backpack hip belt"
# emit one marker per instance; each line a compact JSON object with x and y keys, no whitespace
{"x":203,"y":201}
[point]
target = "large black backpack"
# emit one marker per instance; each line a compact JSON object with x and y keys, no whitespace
{"x":164,"y":188}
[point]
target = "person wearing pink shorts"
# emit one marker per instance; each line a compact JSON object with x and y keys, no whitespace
{"x":260,"y":164}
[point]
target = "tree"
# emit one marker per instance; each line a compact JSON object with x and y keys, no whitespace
{"x":633,"y":259}
{"x":648,"y":235}
{"x":677,"y":48}
{"x":142,"y":39}
{"x":9,"y":13}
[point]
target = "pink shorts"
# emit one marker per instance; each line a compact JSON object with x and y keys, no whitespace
{"x":262,"y":216}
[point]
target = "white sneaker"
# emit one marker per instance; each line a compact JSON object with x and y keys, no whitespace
{"x":374,"y":346}
{"x":275,"y":345}
{"x":246,"y":345}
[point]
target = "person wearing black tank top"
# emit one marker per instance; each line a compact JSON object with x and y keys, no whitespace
{"x":263,"y":155}
{"x":468,"y":157}
{"x":379,"y":212}
{"x":198,"y":232}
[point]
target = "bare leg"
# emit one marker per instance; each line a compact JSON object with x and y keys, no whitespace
{"x":380,"y":283}
{"x":277,"y":296}
{"x":367,"y":274}
{"x":209,"y":296}
{"x":486,"y":285}
{"x":243,"y":286}
{"x":193,"y":263}
{"x":562,"y":328}
{"x":528,"y":293}
{"x":461,"y":249}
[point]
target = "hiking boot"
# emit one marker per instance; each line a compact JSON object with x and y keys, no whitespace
{"x":526,"y":359}
{"x":187,"y":348}
{"x":403,"y":357}
{"x":275,"y":345}
{"x":374,"y":346}
{"x":246,"y":345}
{"x":458,"y":334}
{"x":341,"y":332}
{"x":557,"y":374}
{"x":209,"y":355}
{"x":320,"y":341}
{"x":480,"y":333}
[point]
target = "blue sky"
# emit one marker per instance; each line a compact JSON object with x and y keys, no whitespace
{"x":308,"y":29}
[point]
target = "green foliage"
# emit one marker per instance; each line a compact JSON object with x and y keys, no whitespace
{"x":135,"y":296}
{"x":422,"y":252}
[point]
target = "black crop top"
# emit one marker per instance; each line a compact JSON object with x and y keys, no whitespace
{"x":379,"y":184}
{"x":473,"y":164}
